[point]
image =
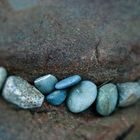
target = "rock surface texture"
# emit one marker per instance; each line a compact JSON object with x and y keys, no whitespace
{"x":97,"y":39}
{"x":21,"y":93}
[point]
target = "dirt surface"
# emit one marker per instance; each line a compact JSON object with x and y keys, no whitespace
{"x":59,"y":124}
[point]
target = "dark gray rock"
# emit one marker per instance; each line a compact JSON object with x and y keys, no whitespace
{"x":97,"y":39}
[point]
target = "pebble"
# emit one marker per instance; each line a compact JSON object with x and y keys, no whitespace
{"x":107,"y":99}
{"x":21,"y":93}
{"x":57,"y":97}
{"x":3,"y":75}
{"x":68,"y":82}
{"x":81,"y":96}
{"x":129,"y":93}
{"x":46,"y":84}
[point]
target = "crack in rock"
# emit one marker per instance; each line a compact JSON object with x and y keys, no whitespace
{"x":125,"y":133}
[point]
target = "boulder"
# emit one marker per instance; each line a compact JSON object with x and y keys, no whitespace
{"x":97,"y":39}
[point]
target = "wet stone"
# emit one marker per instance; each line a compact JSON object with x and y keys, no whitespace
{"x":107,"y":99}
{"x":68,"y":82}
{"x":19,"y":92}
{"x":57,"y":97}
{"x":129,"y":93}
{"x":81,"y":96}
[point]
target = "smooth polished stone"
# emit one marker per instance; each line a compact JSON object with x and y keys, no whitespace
{"x":57,"y":97}
{"x":68,"y":82}
{"x":81,"y":96}
{"x":129,"y":93}
{"x":3,"y":75}
{"x":21,"y":93}
{"x":46,"y":84}
{"x":107,"y":99}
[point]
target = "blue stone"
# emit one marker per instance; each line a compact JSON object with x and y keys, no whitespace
{"x":3,"y":75}
{"x":57,"y":97}
{"x":46,"y":84}
{"x":81,"y":96}
{"x":68,"y":82}
{"x":129,"y":93}
{"x":107,"y":99}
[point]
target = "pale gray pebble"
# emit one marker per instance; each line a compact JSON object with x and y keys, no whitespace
{"x":21,"y":93}
{"x":107,"y":99}
{"x":129,"y":93}
{"x":3,"y":75}
{"x":81,"y":96}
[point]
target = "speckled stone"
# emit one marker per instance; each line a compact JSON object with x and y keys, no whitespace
{"x":129,"y":93}
{"x":81,"y":96}
{"x":107,"y":99}
{"x":21,"y":93}
{"x":3,"y":75}
{"x":57,"y":97}
{"x":46,"y":84}
{"x":68,"y":82}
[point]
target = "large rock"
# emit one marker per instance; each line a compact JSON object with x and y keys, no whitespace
{"x":62,"y":125}
{"x":97,"y":39}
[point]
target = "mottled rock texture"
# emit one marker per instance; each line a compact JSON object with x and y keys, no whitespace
{"x":59,"y":124}
{"x":19,"y":92}
{"x":98,"y":39}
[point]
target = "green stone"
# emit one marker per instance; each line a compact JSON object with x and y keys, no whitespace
{"x":107,"y":99}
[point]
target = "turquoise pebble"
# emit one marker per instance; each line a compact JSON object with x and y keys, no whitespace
{"x":129,"y":93}
{"x":81,"y":96}
{"x":46,"y":84}
{"x":68,"y":82}
{"x":57,"y":97}
{"x":3,"y":75}
{"x":107,"y":99}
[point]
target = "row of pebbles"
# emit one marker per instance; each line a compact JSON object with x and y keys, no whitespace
{"x":79,"y":94}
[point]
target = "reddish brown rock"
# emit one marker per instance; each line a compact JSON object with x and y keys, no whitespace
{"x":99,"y":40}
{"x":60,"y":124}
